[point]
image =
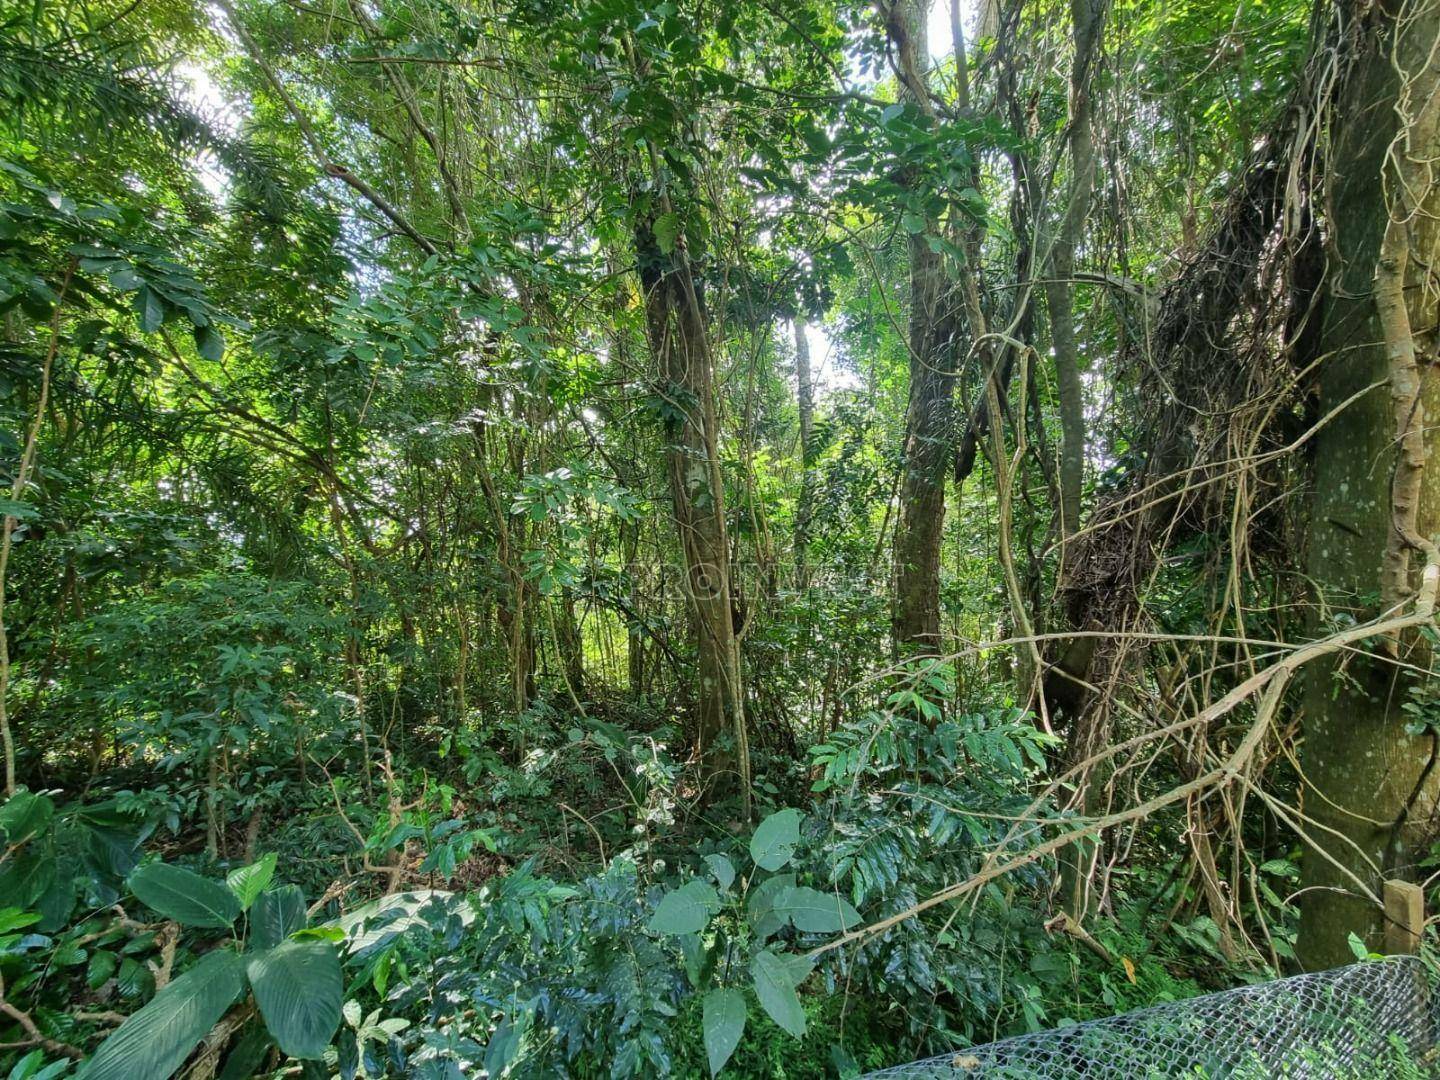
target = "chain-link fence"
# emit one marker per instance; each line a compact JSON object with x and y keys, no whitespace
{"x":1374,"y":1021}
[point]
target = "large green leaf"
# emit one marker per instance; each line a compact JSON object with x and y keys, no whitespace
{"x":24,"y":816}
{"x":25,"y":877}
{"x":150,"y":309}
{"x":723,"y":869}
{"x":248,"y":882}
{"x":112,"y":844}
{"x":686,"y":910}
{"x":209,"y":343}
{"x":186,"y":897}
{"x":761,"y":905}
{"x":775,"y":984}
{"x":277,"y":914}
{"x":58,"y":900}
{"x":300,"y":990}
{"x":155,"y":1041}
{"x":774,"y":841}
{"x":815,"y":912}
{"x":723,"y":1020}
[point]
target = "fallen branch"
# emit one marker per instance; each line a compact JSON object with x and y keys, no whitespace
{"x":35,"y":1037}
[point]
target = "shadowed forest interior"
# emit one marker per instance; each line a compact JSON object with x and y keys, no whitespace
{"x":626,"y":538}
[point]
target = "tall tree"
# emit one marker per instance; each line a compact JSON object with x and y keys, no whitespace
{"x":805,"y":404}
{"x":678,"y":331}
{"x":929,"y":417}
{"x":1087,"y":19}
{"x":1371,"y":782}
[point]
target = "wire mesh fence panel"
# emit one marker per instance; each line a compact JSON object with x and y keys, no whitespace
{"x":1375,"y":1020}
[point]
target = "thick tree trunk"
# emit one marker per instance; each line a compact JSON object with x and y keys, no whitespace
{"x":1371,"y":786}
{"x":929,"y":419}
{"x":679,"y":339}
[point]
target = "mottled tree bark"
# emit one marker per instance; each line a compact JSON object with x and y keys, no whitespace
{"x":929,"y":419}
{"x":678,"y":334}
{"x":1371,"y":786}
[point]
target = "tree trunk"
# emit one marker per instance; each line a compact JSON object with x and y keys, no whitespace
{"x":805,"y":402}
{"x":1087,"y":17}
{"x":1371,"y":786}
{"x":634,"y":632}
{"x":570,"y":645}
{"x":678,"y":333}
{"x":1089,"y":731}
{"x":929,"y":417}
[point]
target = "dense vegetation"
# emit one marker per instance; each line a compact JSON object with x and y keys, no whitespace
{"x":611,"y":538}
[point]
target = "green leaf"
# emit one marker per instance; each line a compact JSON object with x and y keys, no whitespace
{"x":14,"y":919}
{"x":913,"y":224}
{"x":209,"y":342}
{"x":243,"y":1062}
{"x":25,"y":815}
{"x":799,"y":966}
{"x":155,"y":1041}
{"x":815,"y":139}
{"x":248,"y":882}
{"x":300,"y":990}
{"x":723,"y":1021}
{"x":57,"y":901}
{"x":32,"y":1067}
{"x":24,"y":878}
{"x":20,"y":511}
{"x":816,"y":912}
{"x":149,"y":308}
{"x":134,"y":979}
{"x":320,"y":933}
{"x":666,"y":229}
{"x":102,"y":966}
{"x":278,"y":914}
{"x":775,"y":987}
{"x":1052,"y":968}
{"x":186,"y":897}
{"x":763,"y":918}
{"x":686,"y":910}
{"x":506,"y":1043}
{"x":723,"y":869}
{"x":124,"y":278}
{"x":692,"y":949}
{"x":774,"y":841}
{"x":1358,"y":946}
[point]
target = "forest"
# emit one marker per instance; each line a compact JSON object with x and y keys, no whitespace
{"x":635,"y":538}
